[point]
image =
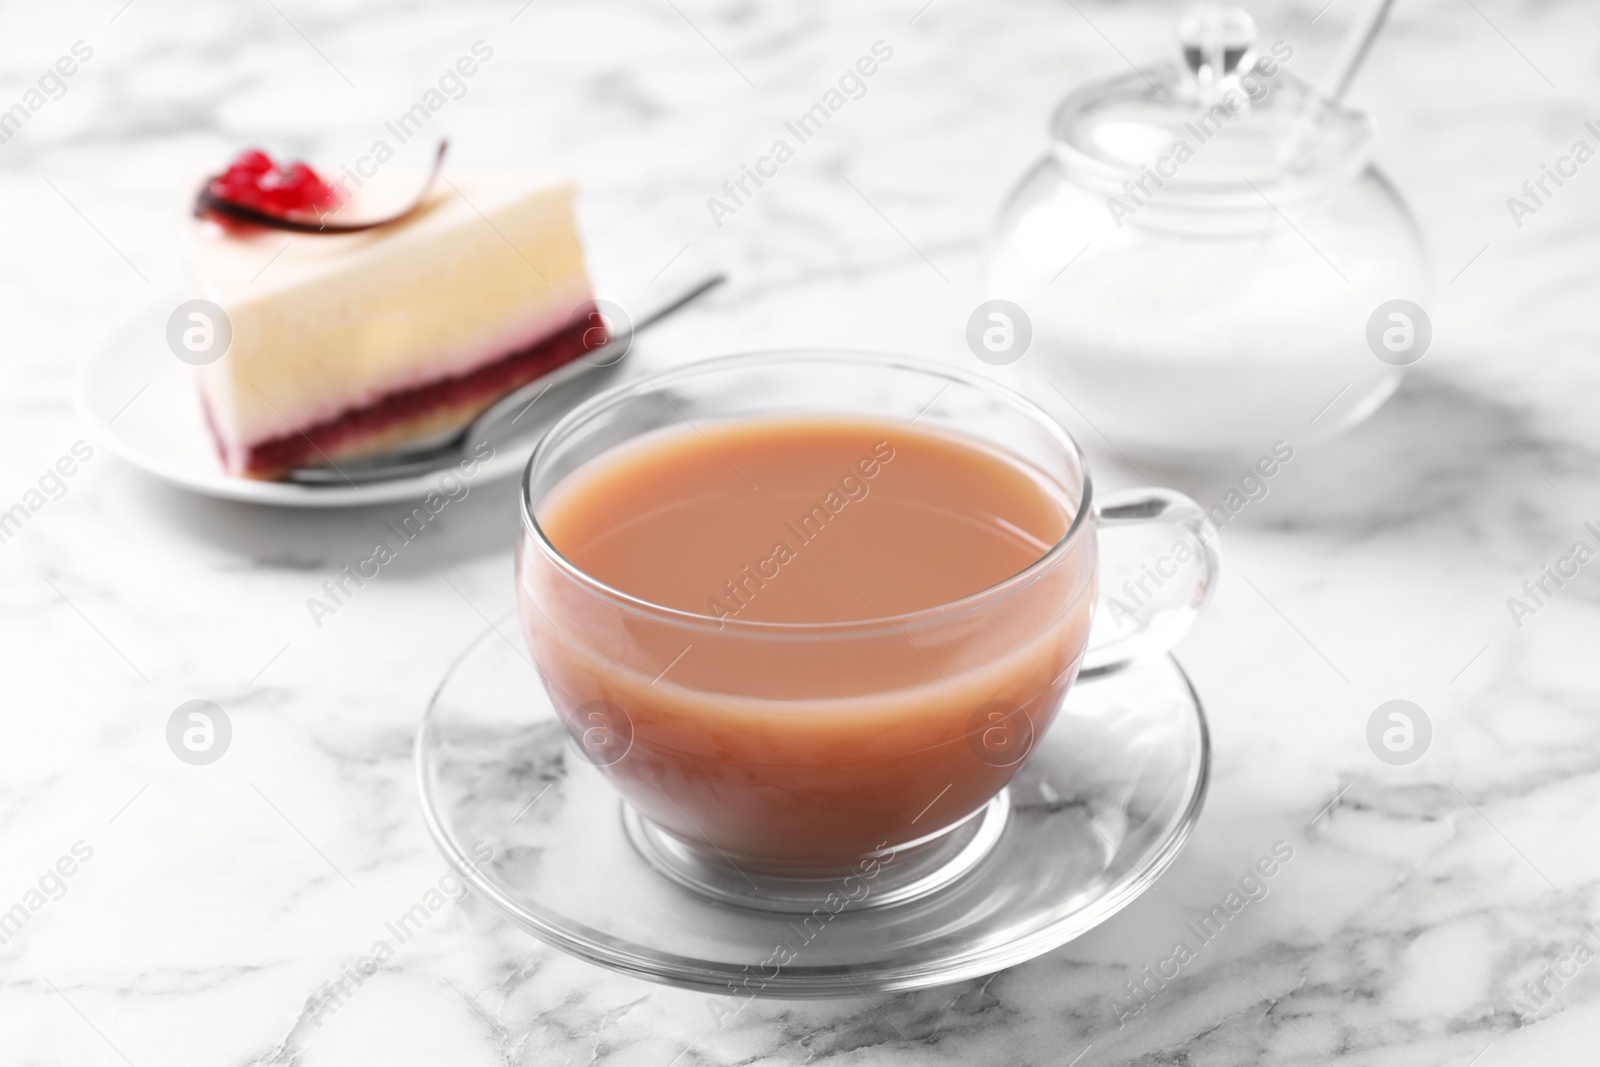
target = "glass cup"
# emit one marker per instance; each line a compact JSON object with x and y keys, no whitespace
{"x":757,"y":759}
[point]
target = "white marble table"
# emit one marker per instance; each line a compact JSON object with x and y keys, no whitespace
{"x":217,"y":901}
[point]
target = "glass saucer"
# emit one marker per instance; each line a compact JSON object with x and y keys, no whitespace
{"x":1102,"y":807}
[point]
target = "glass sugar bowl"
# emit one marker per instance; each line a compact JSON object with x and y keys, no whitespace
{"x":1208,"y":258}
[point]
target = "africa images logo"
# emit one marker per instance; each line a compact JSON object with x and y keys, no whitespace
{"x":1251,"y":888}
{"x":1257,"y":85}
{"x":851,"y":85}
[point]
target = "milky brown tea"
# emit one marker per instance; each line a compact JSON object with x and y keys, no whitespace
{"x":788,"y":635}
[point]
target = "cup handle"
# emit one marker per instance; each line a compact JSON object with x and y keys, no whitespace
{"x":1156,"y":571}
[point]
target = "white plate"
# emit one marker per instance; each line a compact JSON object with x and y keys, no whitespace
{"x":140,"y":401}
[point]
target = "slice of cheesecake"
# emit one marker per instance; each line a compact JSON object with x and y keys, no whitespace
{"x":345,"y":345}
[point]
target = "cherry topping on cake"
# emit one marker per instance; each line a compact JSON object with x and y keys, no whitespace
{"x":254,"y":180}
{"x":255,"y":191}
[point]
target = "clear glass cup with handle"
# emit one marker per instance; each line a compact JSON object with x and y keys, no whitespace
{"x":784,"y":754}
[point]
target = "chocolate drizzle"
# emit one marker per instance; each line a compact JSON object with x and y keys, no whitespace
{"x":208,"y":203}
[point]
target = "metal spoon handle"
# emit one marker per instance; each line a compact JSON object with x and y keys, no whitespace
{"x":604,"y":356}
{"x":1358,"y":42}
{"x":650,"y":318}
{"x":421,"y":460}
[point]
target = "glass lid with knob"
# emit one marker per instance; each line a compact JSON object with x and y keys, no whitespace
{"x":1226,"y":117}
